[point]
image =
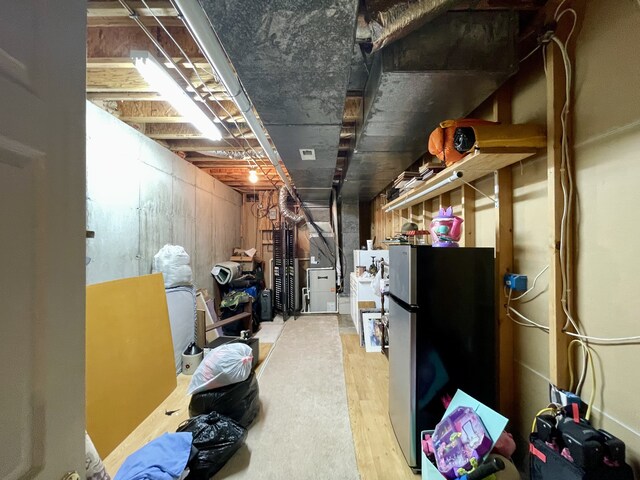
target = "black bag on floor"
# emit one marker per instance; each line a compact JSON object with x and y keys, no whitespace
{"x":217,"y":438}
{"x":238,"y":401}
{"x":566,"y":446}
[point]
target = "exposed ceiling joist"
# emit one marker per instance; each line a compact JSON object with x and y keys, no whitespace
{"x":126,"y":62}
{"x":114,"y":22}
{"x":352,"y":109}
{"x":163,"y":112}
{"x":115,"y":9}
{"x":170,"y":131}
{"x":208,"y":145}
{"x":129,"y":80}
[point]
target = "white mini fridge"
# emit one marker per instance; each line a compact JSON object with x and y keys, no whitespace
{"x":321,"y":285}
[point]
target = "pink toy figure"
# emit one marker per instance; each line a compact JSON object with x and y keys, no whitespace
{"x":446,"y":229}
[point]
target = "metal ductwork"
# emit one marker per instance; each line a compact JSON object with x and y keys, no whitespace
{"x":401,"y":18}
{"x":287,"y":214}
{"x":293,"y":57}
{"x":192,"y":15}
{"x":443,"y":70}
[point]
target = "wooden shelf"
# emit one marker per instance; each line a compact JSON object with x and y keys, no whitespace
{"x":473,"y":166}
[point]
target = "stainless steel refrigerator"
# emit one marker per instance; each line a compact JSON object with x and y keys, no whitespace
{"x":442,"y":335}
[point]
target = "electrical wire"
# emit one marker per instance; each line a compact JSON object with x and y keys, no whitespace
{"x":533,"y":285}
{"x":530,"y":323}
{"x":544,"y":410}
{"x":578,"y":390}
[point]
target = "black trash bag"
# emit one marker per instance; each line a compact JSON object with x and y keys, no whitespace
{"x":217,"y":438}
{"x":464,"y":138}
{"x":238,"y":401}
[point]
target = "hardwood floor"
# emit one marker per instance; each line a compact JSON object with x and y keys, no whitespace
{"x":367,"y":377}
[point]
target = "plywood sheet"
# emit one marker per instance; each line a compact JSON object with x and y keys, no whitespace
{"x":130,"y":367}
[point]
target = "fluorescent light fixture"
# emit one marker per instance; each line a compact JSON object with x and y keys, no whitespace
{"x":253,"y":176}
{"x":454,"y":176}
{"x":160,"y":80}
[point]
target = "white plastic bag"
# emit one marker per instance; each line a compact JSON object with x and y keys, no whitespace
{"x":227,"y":364}
{"x":375,"y":284}
{"x":173,"y":262}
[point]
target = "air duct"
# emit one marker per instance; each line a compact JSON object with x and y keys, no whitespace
{"x":198,"y":25}
{"x":287,"y":214}
{"x":404,"y":17}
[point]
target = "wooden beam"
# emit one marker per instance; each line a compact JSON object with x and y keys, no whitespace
{"x":504,"y":264}
{"x":558,"y":341}
{"x":176,"y":131}
{"x":114,"y":22}
{"x":163,"y":112}
{"x":114,"y":42}
{"x":352,"y":109}
{"x":503,"y":188}
{"x":223,"y":161}
{"x":129,"y":80}
{"x":198,"y":145}
{"x":468,"y":200}
{"x":126,"y":62}
{"x":115,"y":9}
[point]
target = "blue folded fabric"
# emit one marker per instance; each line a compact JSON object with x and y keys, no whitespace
{"x":164,"y":458}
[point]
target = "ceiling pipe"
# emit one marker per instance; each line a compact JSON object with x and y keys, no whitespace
{"x":197,"y":22}
{"x":402,"y":18}
{"x":287,"y":214}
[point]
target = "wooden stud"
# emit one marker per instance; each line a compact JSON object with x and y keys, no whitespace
{"x":468,"y":200}
{"x":444,"y":200}
{"x":558,"y":341}
{"x":504,"y":264}
{"x":504,"y":260}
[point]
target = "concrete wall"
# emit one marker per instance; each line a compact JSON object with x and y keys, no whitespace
{"x":140,"y":196}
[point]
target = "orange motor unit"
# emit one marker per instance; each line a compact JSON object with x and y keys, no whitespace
{"x":441,"y":139}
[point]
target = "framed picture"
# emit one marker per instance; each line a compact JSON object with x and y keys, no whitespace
{"x":371,"y":331}
{"x":361,"y":313}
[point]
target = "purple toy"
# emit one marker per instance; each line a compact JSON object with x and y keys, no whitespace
{"x":460,"y":442}
{"x":446,"y":229}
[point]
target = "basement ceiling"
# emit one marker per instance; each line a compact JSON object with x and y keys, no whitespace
{"x":304,"y":66}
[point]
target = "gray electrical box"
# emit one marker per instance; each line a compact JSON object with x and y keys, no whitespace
{"x":321,"y":284}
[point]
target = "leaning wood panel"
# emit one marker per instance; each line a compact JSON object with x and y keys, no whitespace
{"x":130,"y":364}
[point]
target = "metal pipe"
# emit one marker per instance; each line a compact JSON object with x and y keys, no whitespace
{"x":197,"y":22}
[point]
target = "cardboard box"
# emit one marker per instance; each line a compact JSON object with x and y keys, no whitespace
{"x":492,"y":420}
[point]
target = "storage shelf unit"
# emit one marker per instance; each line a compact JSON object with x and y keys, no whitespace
{"x":473,"y":166}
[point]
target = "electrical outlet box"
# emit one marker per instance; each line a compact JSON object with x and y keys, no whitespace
{"x":515,"y":281}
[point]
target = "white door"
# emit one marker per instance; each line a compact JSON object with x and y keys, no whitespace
{"x":42,"y":230}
